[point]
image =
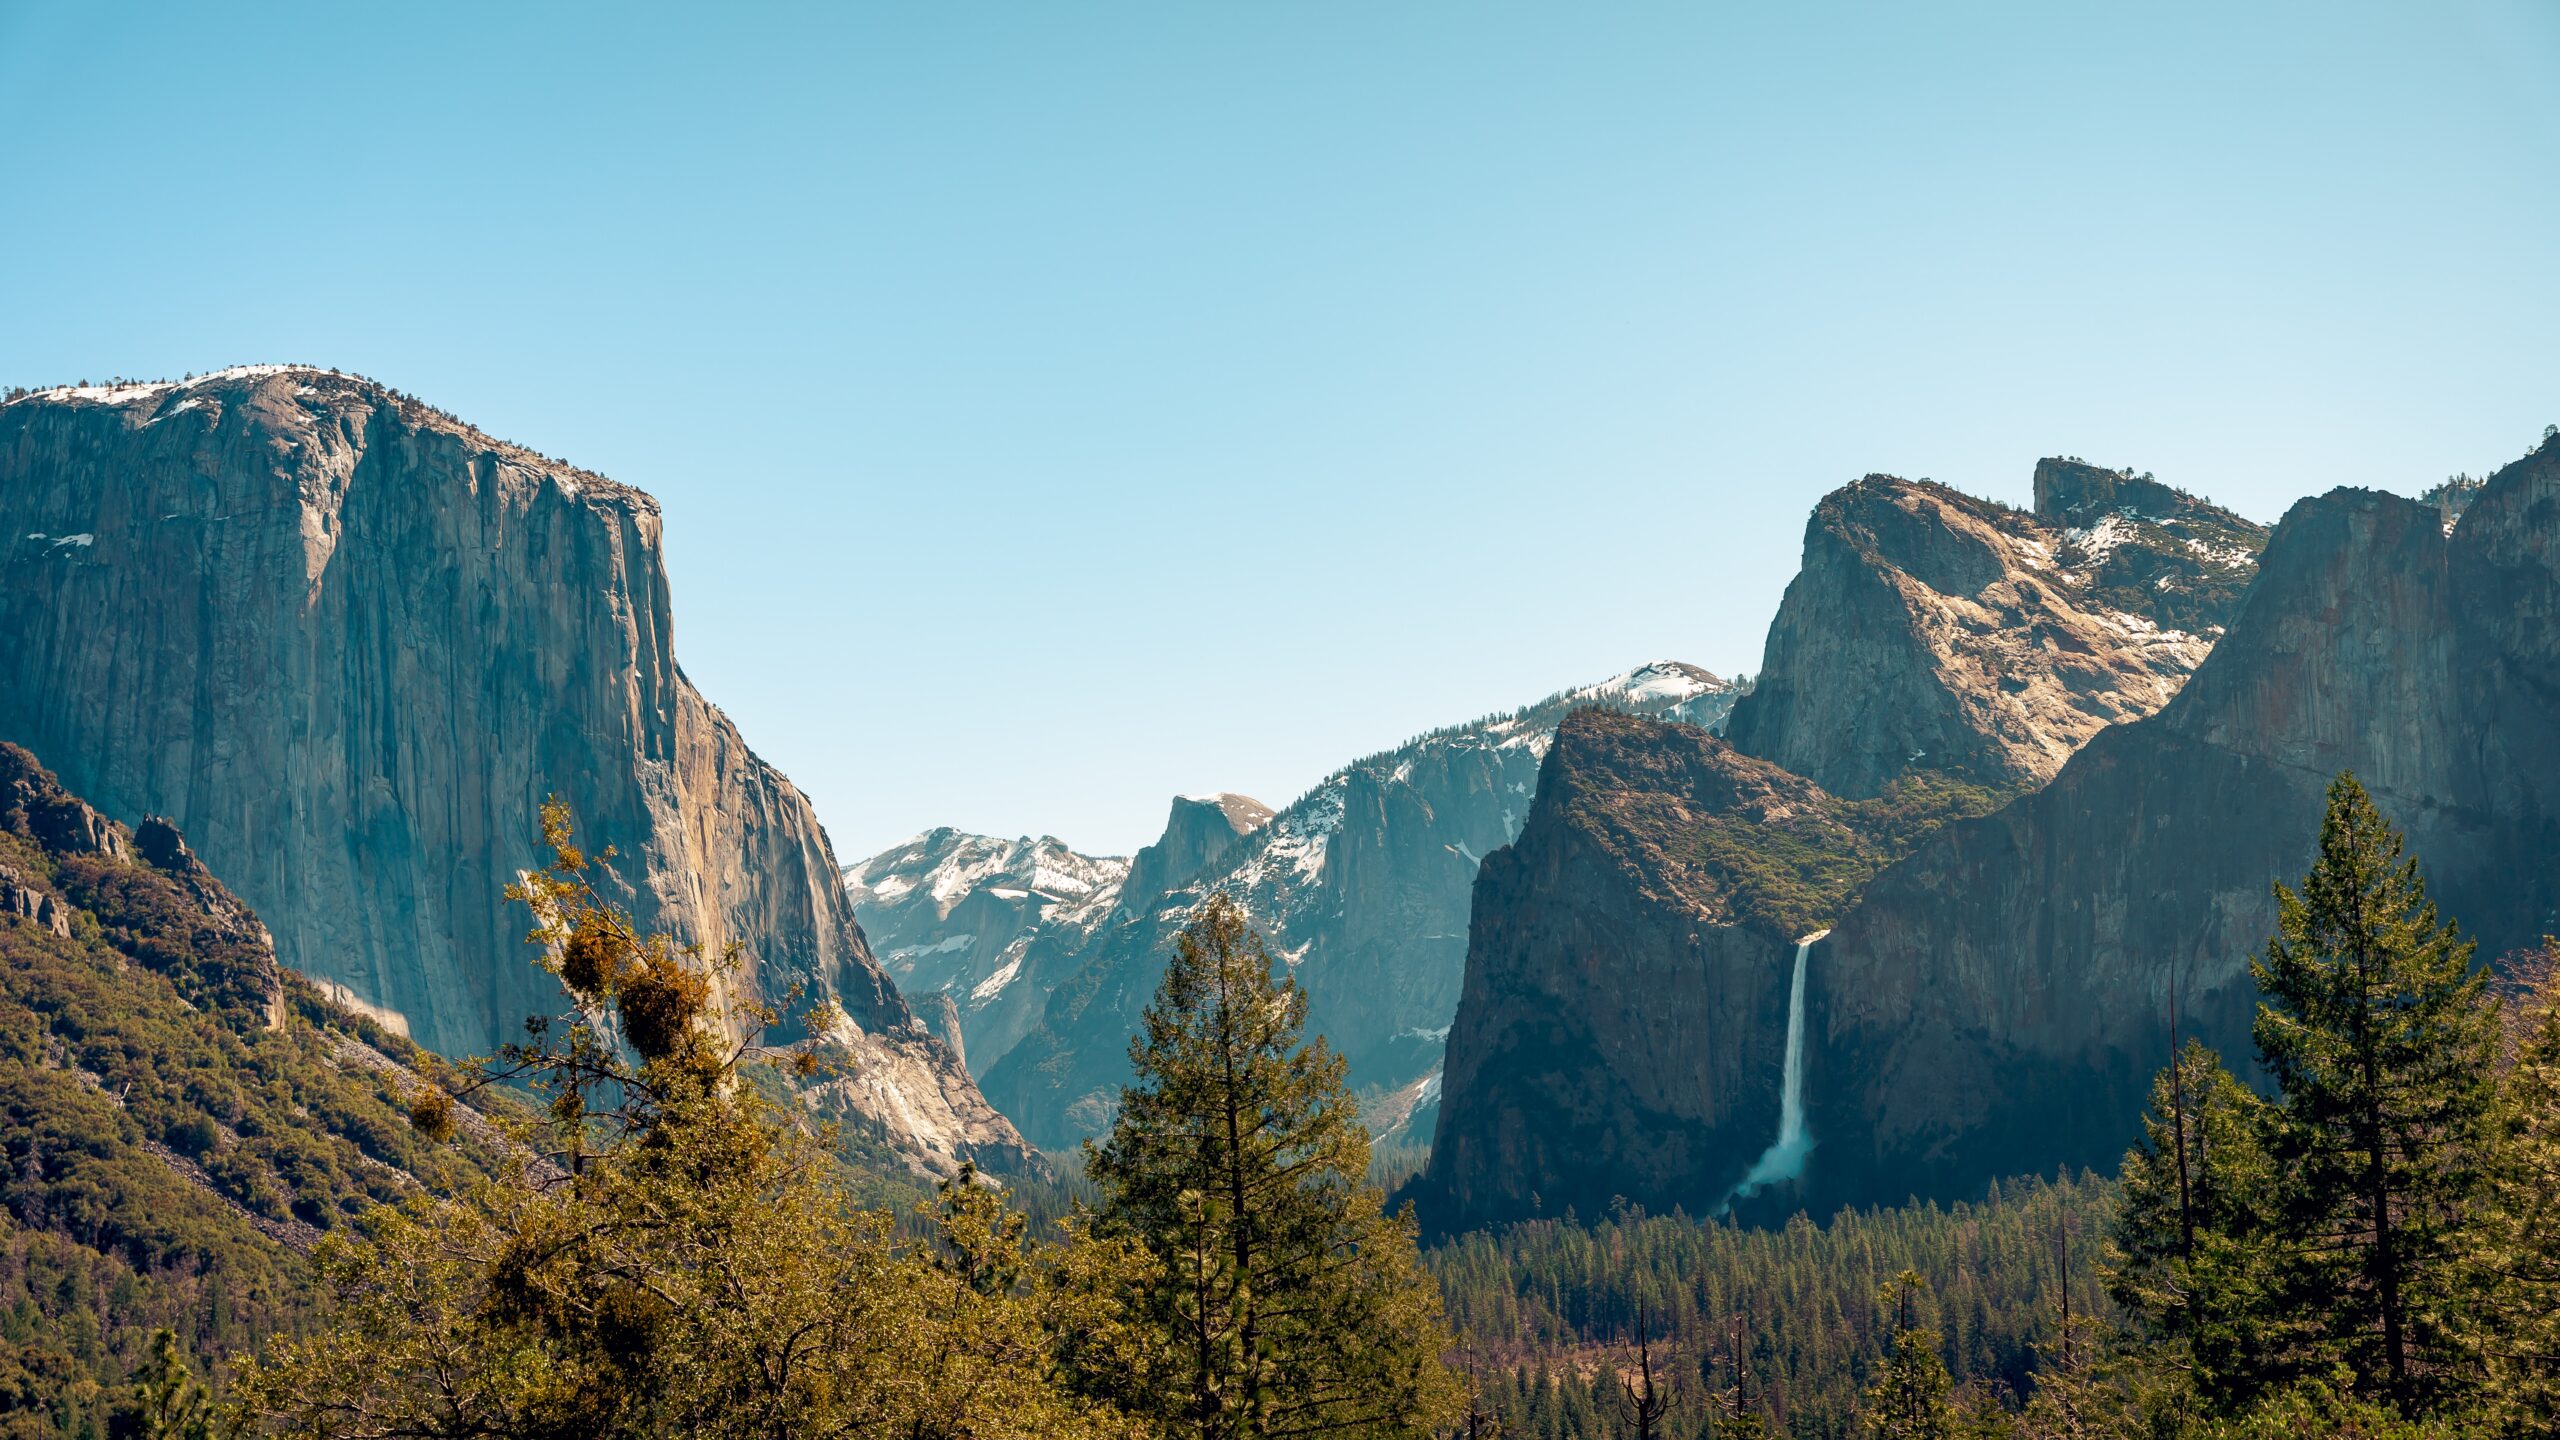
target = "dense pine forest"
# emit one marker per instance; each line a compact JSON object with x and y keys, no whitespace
{"x":620,"y":1226}
{"x":1782,"y":1322}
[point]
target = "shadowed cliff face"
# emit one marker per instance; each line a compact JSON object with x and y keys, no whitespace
{"x":1612,"y":1039}
{"x":1623,"y":1026}
{"x":349,"y":644}
{"x":1928,"y":630}
{"x":1995,"y":1002}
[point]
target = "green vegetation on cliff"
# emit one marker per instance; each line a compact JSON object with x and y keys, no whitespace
{"x":1740,"y":839}
{"x":179,"y":1121}
{"x":1797,"y":874}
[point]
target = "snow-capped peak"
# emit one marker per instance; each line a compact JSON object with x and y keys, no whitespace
{"x":1667,"y":681}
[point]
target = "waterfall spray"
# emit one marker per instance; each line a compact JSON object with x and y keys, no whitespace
{"x":1784,"y":1159}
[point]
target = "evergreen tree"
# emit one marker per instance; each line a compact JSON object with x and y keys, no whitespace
{"x":2188,"y":1258}
{"x":1909,"y":1399}
{"x":168,"y":1404}
{"x":2381,"y":1042}
{"x":1642,"y":1403}
{"x":2518,"y":1237}
{"x":669,"y":1256}
{"x":1291,"y":1302}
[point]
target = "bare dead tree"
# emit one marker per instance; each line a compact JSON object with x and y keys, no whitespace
{"x":1642,"y":1403}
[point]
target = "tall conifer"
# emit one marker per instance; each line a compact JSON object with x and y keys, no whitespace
{"x":1909,"y":1399}
{"x":1294,"y":1304}
{"x":2518,"y":1238}
{"x":2381,"y":1040}
{"x":2188,"y":1257}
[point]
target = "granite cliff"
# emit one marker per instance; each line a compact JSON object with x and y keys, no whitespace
{"x":1630,"y":955}
{"x":1929,"y":630}
{"x":1996,"y":1002}
{"x":1612,"y":1037}
{"x":349,"y":643}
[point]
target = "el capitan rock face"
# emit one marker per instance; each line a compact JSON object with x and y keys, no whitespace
{"x":1931,"y":631}
{"x":349,"y":644}
{"x":2041,"y":942}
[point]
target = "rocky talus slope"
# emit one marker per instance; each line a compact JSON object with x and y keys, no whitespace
{"x":1996,"y":1002}
{"x":349,"y":643}
{"x":1624,"y":1016}
{"x":1361,"y":884}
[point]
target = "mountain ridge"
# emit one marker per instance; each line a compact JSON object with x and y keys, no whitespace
{"x":1380,"y":957}
{"x":1623,"y":1020}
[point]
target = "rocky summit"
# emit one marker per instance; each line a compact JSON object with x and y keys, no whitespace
{"x":1932,"y":631}
{"x":349,"y":643}
{"x":1631,"y":956}
{"x":964,"y":923}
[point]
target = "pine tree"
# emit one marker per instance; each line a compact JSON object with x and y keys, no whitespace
{"x":2188,"y":1255}
{"x":1734,"y":1409}
{"x":1294,"y":1305}
{"x":1642,"y":1403}
{"x":670,"y":1254}
{"x":2517,"y":1242}
{"x":168,"y":1404}
{"x":1909,"y":1399}
{"x":2380,"y":1040}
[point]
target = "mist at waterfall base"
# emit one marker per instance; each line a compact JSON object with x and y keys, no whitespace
{"x":1784,"y":1160}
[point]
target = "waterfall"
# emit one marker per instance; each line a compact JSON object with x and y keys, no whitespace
{"x":1784,"y":1159}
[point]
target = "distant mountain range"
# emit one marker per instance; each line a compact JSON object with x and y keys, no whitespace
{"x":1044,"y":956}
{"x":2005,"y":779}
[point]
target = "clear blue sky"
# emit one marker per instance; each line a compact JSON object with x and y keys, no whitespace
{"x":1058,"y":406}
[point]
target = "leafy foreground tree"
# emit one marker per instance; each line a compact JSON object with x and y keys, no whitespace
{"x":2382,"y":1043}
{"x":1290,"y":1303}
{"x":668,"y":1256}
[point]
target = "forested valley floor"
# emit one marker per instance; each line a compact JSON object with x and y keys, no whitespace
{"x":233,"y":1210}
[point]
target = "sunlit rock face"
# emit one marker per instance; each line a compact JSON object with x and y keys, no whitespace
{"x":349,"y":643}
{"x":1932,"y":631}
{"x":1996,"y":1002}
